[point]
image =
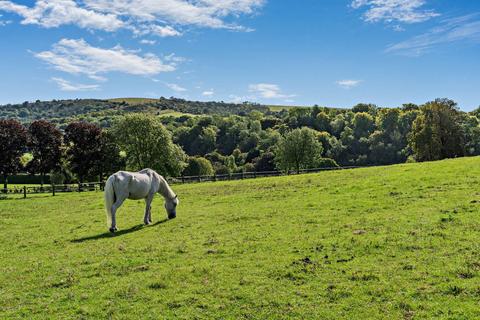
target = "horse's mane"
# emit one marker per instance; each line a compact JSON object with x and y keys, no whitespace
{"x":165,"y":189}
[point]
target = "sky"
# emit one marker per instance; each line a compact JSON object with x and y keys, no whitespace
{"x":333,"y":53}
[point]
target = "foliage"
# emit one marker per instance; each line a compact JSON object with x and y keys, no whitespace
{"x":437,"y":133}
{"x":326,"y":163}
{"x":298,"y":150}
{"x":83,"y":141}
{"x":13,"y":138}
{"x":148,"y":144}
{"x":45,"y":142}
{"x":198,"y":166}
{"x":246,"y":135}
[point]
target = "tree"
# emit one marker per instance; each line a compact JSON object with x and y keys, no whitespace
{"x":437,"y":133}
{"x":83,"y":141}
{"x":299,"y":149}
{"x":111,"y":158}
{"x":198,"y":166}
{"x":148,"y":144}
{"x":322,"y":122}
{"x":13,"y":140}
{"x":266,"y":162}
{"x":45,"y":144}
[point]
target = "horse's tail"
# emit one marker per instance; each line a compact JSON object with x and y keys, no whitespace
{"x":110,"y":198}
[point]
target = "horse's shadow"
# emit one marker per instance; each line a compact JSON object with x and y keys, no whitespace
{"x":136,"y":228}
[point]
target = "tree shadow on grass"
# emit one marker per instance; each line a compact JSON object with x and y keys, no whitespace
{"x":136,"y":228}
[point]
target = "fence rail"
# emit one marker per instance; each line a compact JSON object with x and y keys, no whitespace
{"x":98,"y":186}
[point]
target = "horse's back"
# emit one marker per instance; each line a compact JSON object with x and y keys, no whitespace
{"x":135,"y":185}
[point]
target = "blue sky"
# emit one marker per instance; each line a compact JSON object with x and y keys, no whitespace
{"x":325,"y":52}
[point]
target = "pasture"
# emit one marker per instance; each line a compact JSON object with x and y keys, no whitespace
{"x":399,"y":242}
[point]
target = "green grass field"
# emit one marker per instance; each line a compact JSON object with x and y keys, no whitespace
{"x":134,"y":101}
{"x":399,"y":242}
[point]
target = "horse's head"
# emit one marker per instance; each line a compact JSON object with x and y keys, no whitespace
{"x":171,"y":207}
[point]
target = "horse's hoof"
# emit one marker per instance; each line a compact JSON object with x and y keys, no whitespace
{"x":112,"y":230}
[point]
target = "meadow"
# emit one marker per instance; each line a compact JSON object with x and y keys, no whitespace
{"x":396,"y":242}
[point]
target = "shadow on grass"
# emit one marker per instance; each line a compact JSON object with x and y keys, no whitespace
{"x":138,"y":227}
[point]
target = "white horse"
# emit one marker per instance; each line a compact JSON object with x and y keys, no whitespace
{"x":137,"y":185}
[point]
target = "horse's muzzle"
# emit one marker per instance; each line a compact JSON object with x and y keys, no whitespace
{"x":172,"y":215}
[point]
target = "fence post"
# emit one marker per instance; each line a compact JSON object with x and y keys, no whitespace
{"x":183,"y":179}
{"x":199,"y":178}
{"x":24,"y":192}
{"x":79,"y":187}
{"x":53,"y":190}
{"x":215,"y":177}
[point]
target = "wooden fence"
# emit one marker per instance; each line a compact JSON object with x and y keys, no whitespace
{"x":98,"y":186}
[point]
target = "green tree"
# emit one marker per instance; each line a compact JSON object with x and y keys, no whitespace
{"x":437,"y":133}
{"x":298,"y":150}
{"x":198,"y":166}
{"x":148,"y":145}
{"x":111,"y":158}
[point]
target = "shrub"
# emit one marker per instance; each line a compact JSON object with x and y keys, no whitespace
{"x":326,"y":163}
{"x":198,"y":166}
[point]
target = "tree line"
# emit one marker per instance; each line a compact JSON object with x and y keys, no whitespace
{"x":292,"y":139}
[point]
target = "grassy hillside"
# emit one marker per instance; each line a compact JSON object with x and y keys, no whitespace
{"x":397,"y":242}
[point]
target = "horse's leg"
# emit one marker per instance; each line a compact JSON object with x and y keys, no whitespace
{"x":115,"y":207}
{"x":147,"y":219}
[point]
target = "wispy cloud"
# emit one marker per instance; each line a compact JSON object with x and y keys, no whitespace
{"x":460,"y":29}
{"x":66,"y":85}
{"x":348,"y":83}
{"x":405,"y":11}
{"x":208,"y":93}
{"x":269,"y":91}
{"x":149,"y":42}
{"x":140,"y":16}
{"x":79,"y":57}
{"x":175,"y":87}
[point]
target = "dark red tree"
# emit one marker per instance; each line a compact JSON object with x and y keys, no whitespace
{"x":13,"y":140}
{"x":84,"y":147}
{"x":45,"y":144}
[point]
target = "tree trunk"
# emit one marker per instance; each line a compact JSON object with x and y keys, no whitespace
{"x":5,"y":183}
{"x":42,"y":178}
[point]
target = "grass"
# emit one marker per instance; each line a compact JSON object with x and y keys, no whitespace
{"x":134,"y":101}
{"x":397,"y":242}
{"x":277,"y":108}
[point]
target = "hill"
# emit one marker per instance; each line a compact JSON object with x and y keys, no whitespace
{"x":398,"y":242}
{"x":102,"y":112}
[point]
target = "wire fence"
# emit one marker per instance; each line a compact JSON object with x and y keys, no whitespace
{"x":98,"y":186}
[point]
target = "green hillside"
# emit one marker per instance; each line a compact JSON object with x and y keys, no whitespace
{"x":399,"y":242}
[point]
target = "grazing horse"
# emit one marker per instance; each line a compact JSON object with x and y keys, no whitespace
{"x":137,"y":185}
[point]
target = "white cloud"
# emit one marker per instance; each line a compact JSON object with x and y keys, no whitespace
{"x":54,"y":13}
{"x":348,"y":83}
{"x":78,"y":57}
{"x":149,"y":42}
{"x":66,"y":85}
{"x":406,"y":11}
{"x":268,"y":91}
{"x":175,"y":87}
{"x":156,"y":17}
{"x":152,"y":29}
{"x":464,"y":28}
{"x":208,"y":93}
